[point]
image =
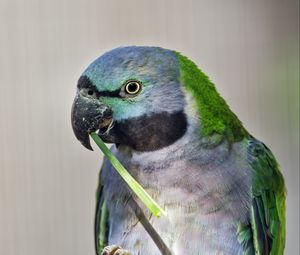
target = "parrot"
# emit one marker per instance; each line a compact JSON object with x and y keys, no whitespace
{"x":221,"y":188}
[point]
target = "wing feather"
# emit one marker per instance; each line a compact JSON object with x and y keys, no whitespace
{"x":264,"y":234}
{"x":101,"y":227}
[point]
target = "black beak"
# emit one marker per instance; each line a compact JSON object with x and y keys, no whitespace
{"x":88,"y":115}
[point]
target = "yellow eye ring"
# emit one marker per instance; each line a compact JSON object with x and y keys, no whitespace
{"x":132,"y":87}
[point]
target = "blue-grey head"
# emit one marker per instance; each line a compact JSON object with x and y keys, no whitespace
{"x":133,"y":96}
{"x":137,"y":96}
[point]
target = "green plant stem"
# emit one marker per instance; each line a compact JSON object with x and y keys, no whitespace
{"x":149,"y":202}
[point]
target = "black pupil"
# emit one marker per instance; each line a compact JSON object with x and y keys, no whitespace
{"x":132,"y":87}
{"x":90,"y":92}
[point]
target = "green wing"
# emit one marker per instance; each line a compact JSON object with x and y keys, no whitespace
{"x":265,"y":232}
{"x":101,"y":219}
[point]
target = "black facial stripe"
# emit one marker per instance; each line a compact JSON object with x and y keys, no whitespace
{"x":149,"y":133}
{"x":85,"y":82}
{"x":115,"y":93}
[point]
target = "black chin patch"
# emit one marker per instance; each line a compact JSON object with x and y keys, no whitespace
{"x":149,"y":133}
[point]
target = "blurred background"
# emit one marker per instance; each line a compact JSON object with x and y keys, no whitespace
{"x":250,"y":49}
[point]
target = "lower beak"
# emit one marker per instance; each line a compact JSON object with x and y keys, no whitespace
{"x":88,"y":115}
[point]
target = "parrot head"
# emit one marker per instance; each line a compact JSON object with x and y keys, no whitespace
{"x":137,"y":96}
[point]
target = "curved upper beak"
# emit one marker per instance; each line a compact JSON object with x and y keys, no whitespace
{"x":88,"y":115}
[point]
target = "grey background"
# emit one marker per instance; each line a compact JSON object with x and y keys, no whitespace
{"x":47,"y":179}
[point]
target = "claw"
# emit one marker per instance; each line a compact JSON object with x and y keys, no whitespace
{"x":114,"y":250}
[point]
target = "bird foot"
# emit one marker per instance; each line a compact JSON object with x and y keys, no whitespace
{"x":114,"y":250}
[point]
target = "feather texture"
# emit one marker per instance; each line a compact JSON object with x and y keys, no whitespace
{"x":265,"y":232}
{"x":101,"y":226}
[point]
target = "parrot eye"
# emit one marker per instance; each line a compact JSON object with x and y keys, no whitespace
{"x":132,"y":87}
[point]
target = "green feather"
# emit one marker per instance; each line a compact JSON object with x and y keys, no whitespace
{"x":101,"y":220}
{"x":265,"y":232}
{"x":215,"y":114}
